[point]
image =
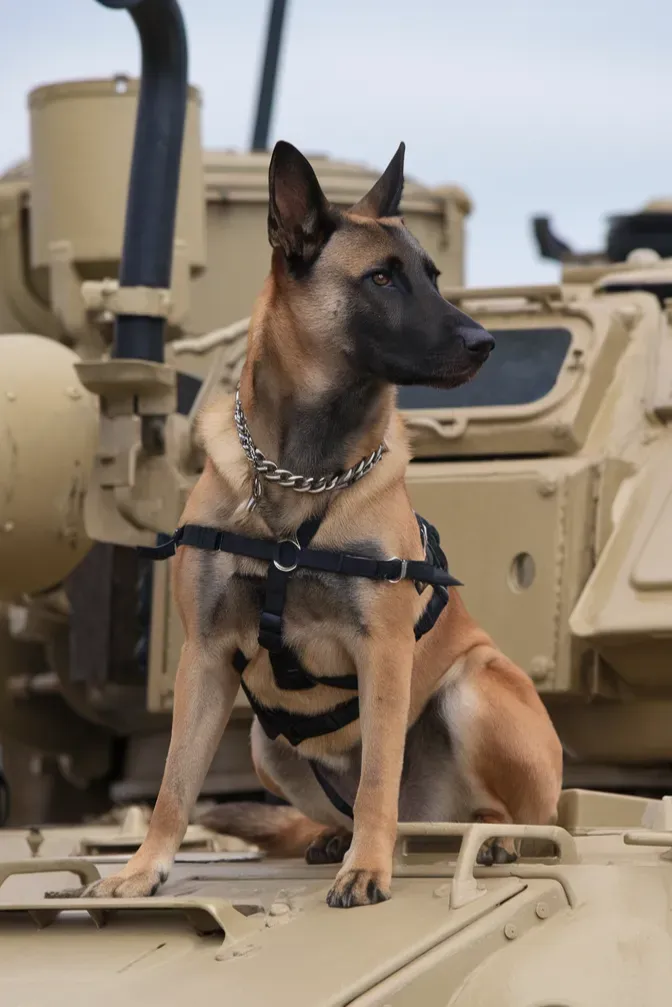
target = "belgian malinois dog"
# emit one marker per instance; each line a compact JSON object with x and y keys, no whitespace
{"x":290,"y":578}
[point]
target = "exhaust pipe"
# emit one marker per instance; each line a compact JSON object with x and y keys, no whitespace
{"x":149,"y":229}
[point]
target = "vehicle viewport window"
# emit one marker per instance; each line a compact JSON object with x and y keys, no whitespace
{"x":522,"y":368}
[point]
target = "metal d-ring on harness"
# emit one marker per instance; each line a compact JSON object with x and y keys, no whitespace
{"x":284,"y":558}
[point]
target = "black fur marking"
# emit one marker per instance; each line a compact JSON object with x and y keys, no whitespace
{"x":406,"y":333}
{"x":317,"y":439}
{"x":300,"y":220}
{"x":232,"y":603}
{"x":383,"y":198}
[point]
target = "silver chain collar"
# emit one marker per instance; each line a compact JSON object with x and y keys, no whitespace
{"x":268,"y":470}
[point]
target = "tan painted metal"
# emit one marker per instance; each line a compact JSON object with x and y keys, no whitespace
{"x":584,"y":924}
{"x":48,"y":432}
{"x":82,"y":199}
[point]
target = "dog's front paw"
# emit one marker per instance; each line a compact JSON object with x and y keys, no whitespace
{"x":136,"y":884}
{"x":359,"y":887}
{"x":329,"y":848}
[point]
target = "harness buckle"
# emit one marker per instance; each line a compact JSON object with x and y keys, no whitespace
{"x":287,"y":567}
{"x":402,"y":570}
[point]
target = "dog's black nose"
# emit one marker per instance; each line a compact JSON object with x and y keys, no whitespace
{"x":477,"y":340}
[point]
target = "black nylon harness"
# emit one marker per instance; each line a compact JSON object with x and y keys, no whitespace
{"x":284,"y":557}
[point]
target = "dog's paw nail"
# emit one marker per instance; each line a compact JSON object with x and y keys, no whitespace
{"x":132,"y":886}
{"x":358,"y":888}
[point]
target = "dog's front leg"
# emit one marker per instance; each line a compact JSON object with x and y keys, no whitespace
{"x":205,"y":689}
{"x":384,"y":688}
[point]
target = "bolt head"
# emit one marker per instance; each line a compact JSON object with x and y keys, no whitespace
{"x":540,"y":667}
{"x":278,"y":909}
{"x":547,"y":486}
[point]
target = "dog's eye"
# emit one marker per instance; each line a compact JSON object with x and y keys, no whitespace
{"x":381,"y":279}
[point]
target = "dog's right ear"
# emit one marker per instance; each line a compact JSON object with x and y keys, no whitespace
{"x":300,"y":221}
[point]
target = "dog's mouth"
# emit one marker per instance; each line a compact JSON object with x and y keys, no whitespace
{"x":457,"y":376}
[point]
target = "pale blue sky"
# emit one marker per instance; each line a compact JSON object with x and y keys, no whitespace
{"x":531,"y":105}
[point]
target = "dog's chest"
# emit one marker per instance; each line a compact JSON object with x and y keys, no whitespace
{"x":317,"y":606}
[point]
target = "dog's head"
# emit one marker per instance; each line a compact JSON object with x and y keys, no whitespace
{"x":359,"y":284}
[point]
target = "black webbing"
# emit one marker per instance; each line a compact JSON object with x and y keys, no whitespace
{"x":298,"y":727}
{"x":289,"y":674}
{"x":338,"y":802}
{"x":285,"y":553}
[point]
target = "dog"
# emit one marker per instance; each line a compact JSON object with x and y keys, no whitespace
{"x":306,"y":465}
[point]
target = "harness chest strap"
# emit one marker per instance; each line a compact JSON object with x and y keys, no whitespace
{"x":287,"y":556}
{"x":284,"y":558}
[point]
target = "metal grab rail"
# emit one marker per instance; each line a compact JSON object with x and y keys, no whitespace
{"x":84,"y":869}
{"x":206,"y":915}
{"x":464,"y":886}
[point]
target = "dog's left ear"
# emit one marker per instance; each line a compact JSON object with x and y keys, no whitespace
{"x":300,"y":220}
{"x":383,"y":199}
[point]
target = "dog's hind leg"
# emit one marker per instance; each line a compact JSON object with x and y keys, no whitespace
{"x":506,"y":746}
{"x":205,"y":690}
{"x":309,"y":827}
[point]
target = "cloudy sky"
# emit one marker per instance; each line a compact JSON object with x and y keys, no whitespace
{"x":561,"y":106}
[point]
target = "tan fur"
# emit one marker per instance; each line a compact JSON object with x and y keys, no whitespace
{"x":280,"y":831}
{"x":505,"y":738}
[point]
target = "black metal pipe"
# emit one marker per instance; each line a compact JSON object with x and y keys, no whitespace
{"x":269,"y":75}
{"x":149,"y":229}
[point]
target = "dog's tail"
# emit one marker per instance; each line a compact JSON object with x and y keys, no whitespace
{"x":278,"y":830}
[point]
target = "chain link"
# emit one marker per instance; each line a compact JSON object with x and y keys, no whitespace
{"x":301,"y":484}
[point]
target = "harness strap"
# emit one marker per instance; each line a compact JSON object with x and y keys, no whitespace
{"x":286,"y":554}
{"x":348,"y":682}
{"x":270,"y":622}
{"x":435,"y":606}
{"x":284,"y":557}
{"x":338,"y":802}
{"x":298,"y":727}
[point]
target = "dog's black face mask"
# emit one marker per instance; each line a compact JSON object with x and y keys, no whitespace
{"x":361,"y":281}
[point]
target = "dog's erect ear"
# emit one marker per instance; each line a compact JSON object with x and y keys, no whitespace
{"x":383,"y":199}
{"x":300,"y":221}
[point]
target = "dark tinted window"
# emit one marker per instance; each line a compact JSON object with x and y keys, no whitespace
{"x":522,"y":368}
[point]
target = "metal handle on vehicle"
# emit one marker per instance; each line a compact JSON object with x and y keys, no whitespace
{"x":464,"y":887}
{"x":448,"y":430}
{"x":85,"y":871}
{"x":206,"y":915}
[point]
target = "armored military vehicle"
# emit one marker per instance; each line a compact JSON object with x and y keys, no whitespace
{"x":548,"y":478}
